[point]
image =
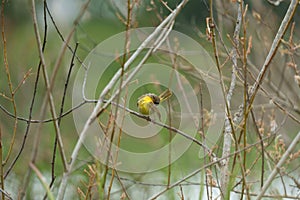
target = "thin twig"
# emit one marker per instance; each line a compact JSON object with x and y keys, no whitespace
{"x":243,"y":132}
{"x":36,"y":121}
{"x":26,"y":75}
{"x":280,"y":163}
{"x":10,"y":85}
{"x":58,"y":31}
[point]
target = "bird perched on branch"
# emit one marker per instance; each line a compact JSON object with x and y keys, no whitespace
{"x":147,"y":103}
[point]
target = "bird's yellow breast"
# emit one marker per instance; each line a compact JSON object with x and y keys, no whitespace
{"x":144,"y":104}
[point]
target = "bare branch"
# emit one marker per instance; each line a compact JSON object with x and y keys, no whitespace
{"x":278,"y":166}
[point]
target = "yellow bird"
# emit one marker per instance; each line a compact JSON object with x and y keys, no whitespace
{"x":148,"y":102}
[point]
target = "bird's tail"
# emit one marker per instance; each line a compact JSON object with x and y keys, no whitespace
{"x":165,"y":95}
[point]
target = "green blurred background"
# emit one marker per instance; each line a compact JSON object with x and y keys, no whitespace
{"x":100,"y":21}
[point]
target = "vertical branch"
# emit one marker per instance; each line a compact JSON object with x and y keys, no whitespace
{"x":246,"y":98}
{"x":170,"y":146}
{"x":1,"y":166}
{"x":28,"y":174}
{"x":229,"y":128}
{"x":202,"y":135}
{"x":60,"y":117}
{"x":125,"y":56}
{"x":48,"y":86}
{"x":10,"y":85}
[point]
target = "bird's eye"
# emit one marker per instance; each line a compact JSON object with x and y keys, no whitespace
{"x":156,"y":100}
